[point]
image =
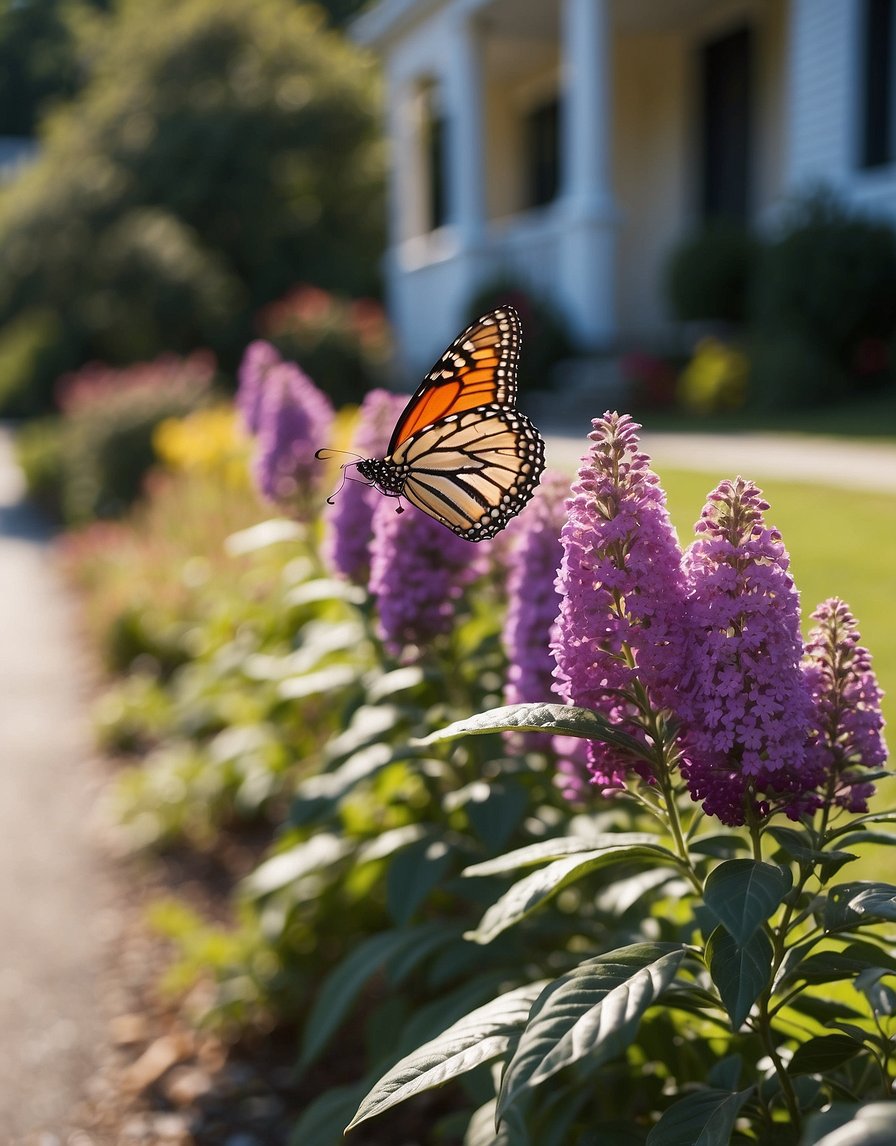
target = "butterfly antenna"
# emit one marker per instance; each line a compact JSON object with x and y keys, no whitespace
{"x":325,"y":455}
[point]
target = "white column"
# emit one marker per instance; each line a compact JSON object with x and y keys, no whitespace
{"x":465,"y":128}
{"x":588,"y":202}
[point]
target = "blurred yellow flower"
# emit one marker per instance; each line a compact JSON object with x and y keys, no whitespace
{"x":207,"y":441}
{"x":715,"y":378}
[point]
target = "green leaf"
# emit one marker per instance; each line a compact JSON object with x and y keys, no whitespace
{"x":484,"y":1034}
{"x":740,"y":971}
{"x":369,"y":723}
{"x":556,"y":719}
{"x":319,"y":853}
{"x":861,"y":901}
{"x":828,"y":967}
{"x":536,"y":889}
{"x":274,"y":531}
{"x":413,"y":874}
{"x":320,"y":1122}
{"x":330,"y":679}
{"x":495,"y":817}
{"x":481,"y":1128}
{"x":558,"y":848}
{"x":884,"y":839}
{"x":725,"y":1074}
{"x":592,"y":1011}
{"x":705,"y":1118}
{"x":325,"y":589}
{"x":823,"y":1053}
{"x":385,"y":685}
{"x":742,"y":894}
{"x":345,"y":983}
{"x":846,"y":1125}
{"x":320,"y":794}
{"x":799,"y":846}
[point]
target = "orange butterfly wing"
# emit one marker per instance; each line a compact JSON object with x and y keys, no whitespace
{"x":479,"y":367}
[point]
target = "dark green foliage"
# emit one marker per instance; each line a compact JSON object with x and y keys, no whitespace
{"x":829,"y":280}
{"x":92,"y":462}
{"x":35,"y":348}
{"x":709,"y":274}
{"x":344,"y":346}
{"x":39,"y":453}
{"x":219,"y":152}
{"x":546,"y":338}
{"x":789,"y":371}
{"x":39,"y":60}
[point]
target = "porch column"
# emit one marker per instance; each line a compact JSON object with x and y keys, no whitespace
{"x":466,"y":176}
{"x":589,"y":233}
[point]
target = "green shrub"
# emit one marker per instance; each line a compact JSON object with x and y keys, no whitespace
{"x":826,"y":285}
{"x":216,"y":151}
{"x":708,"y":274}
{"x":789,"y":371}
{"x":111,"y":418}
{"x":39,"y":450}
{"x":545,"y":334}
{"x":343,"y":345}
{"x":34,"y":350}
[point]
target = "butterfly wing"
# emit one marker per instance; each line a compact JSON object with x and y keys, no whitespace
{"x":478,"y":367}
{"x":474,"y":470}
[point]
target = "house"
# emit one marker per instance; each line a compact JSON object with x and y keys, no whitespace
{"x":567,"y":144}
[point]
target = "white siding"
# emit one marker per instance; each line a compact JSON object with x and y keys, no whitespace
{"x":822,"y":124}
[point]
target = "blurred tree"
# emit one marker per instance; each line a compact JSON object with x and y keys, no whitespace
{"x":340,"y":12}
{"x":220,"y":152}
{"x":38,"y":59}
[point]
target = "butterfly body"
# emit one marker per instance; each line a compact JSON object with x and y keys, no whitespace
{"x":461,"y":451}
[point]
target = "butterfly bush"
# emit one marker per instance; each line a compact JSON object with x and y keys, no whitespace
{"x":846,"y":733}
{"x":744,"y":700}
{"x":258,"y":360}
{"x":699,"y":654}
{"x":620,"y":643}
{"x":350,"y":517}
{"x":532,"y":600}
{"x":293,"y":418}
{"x":418,"y":572}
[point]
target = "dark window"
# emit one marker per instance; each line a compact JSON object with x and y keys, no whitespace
{"x":877,"y":129}
{"x":542,"y":128}
{"x":436,"y":143}
{"x":726,"y":67}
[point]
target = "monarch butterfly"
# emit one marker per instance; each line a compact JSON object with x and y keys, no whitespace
{"x":461,"y":451}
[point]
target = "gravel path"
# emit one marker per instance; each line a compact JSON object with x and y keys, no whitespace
{"x":52,"y":899}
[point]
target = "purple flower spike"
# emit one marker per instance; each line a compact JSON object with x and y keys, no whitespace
{"x":623,"y":612}
{"x":350,"y":518}
{"x":847,"y":728}
{"x":294,"y":419}
{"x":259,"y":359}
{"x":418,"y":571}
{"x":533,"y":601}
{"x":745,"y":702}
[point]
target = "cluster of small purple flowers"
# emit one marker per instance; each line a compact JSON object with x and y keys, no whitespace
{"x":350,"y":517}
{"x":847,"y":725}
{"x":418,"y":571}
{"x":744,"y":704}
{"x":710,"y":637}
{"x":532,"y":600}
{"x":622,"y":592}
{"x":289,"y":417}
